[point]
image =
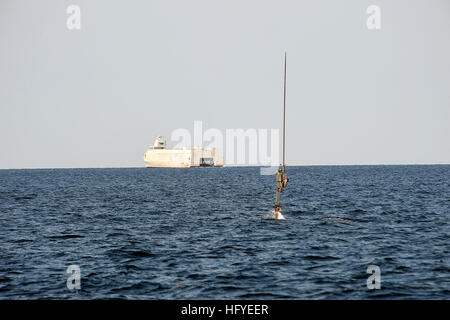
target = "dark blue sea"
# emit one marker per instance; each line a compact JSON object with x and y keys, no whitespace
{"x":199,"y":233}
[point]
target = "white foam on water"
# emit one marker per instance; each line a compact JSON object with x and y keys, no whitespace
{"x":271,"y":215}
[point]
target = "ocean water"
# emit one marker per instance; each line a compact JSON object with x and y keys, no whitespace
{"x":199,"y":233}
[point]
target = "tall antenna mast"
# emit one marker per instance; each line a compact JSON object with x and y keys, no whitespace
{"x":282,"y":178}
{"x":284,"y":113}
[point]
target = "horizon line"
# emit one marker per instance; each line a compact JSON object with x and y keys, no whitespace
{"x":237,"y":166}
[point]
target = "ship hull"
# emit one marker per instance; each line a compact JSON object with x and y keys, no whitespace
{"x":183,"y":158}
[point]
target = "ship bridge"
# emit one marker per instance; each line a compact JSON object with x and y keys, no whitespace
{"x":160,"y":143}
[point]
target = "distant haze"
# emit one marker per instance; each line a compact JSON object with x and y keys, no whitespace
{"x":98,"y":97}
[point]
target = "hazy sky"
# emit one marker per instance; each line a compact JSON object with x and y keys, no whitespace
{"x":98,"y":97}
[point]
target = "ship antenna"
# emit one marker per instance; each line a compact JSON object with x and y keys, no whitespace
{"x":282,"y":178}
{"x":284,"y":113}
